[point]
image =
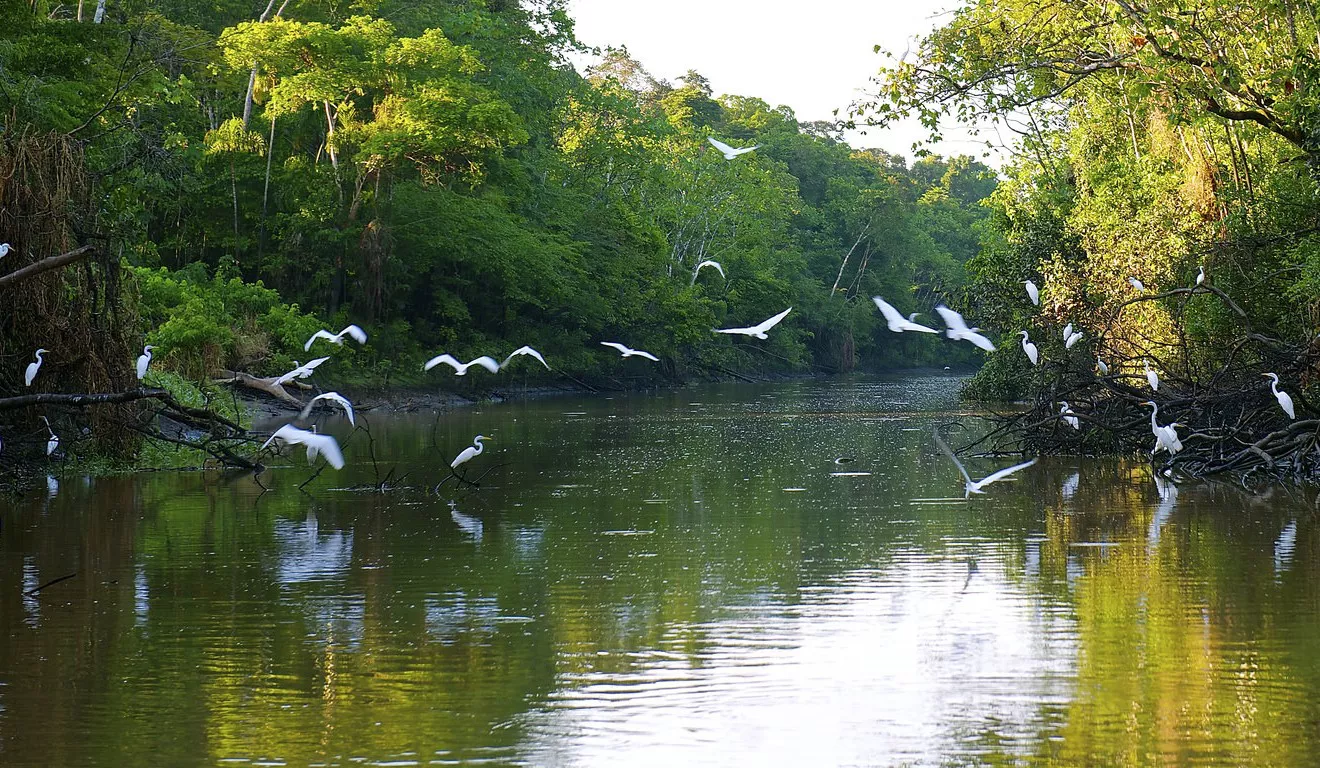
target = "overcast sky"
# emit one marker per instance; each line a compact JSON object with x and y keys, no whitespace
{"x":816,"y":59}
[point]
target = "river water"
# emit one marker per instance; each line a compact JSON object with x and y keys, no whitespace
{"x":677,"y":579}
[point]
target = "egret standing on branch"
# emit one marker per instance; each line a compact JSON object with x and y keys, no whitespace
{"x":1285,"y":399}
{"x":975,"y":486}
{"x":1152,"y":378}
{"x":1101,"y":367}
{"x":1166,"y":438}
{"x":757,"y":331}
{"x":896,"y":322}
{"x":143,"y":361}
{"x":1032,"y":292}
{"x":359,"y":335}
{"x":627,"y":351}
{"x":1200,"y":277}
{"x":1069,"y":417}
{"x":32,"y":369}
{"x":1135,"y":283}
{"x":728,"y":151}
{"x":467,"y":455}
{"x":54,"y":441}
{"x":1033,"y":354}
{"x":958,"y":331}
{"x":461,"y":369}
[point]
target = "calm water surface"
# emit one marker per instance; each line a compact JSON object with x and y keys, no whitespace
{"x":676,"y":579}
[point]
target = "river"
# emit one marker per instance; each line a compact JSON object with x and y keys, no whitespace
{"x":684,"y":578}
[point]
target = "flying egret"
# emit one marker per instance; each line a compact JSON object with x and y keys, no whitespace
{"x":32,"y":369}
{"x":1069,"y":418}
{"x":1152,"y":378}
{"x":1285,"y":400}
{"x":333,"y":397}
{"x":317,"y":445}
{"x":524,"y":351}
{"x":896,"y":322}
{"x":975,"y":486}
{"x":470,"y":452}
{"x":302,"y":371}
{"x":1101,"y":367}
{"x":958,"y":331}
{"x":359,"y":335}
{"x":1033,"y":354}
{"x":1032,"y":292}
{"x":461,"y":369}
{"x":4,"y":250}
{"x":54,"y":441}
{"x":143,"y":361}
{"x":708,"y":263}
{"x":728,"y":151}
{"x":1135,"y":283}
{"x":1200,"y":277}
{"x":1166,"y":438}
{"x":757,"y":331}
{"x":627,"y":351}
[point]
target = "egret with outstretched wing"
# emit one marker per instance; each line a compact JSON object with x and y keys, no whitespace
{"x":957,"y":329}
{"x":975,"y":486}
{"x":896,"y":322}
{"x":461,"y":369}
{"x":358,"y":335}
{"x":757,"y":331}
{"x":524,"y":351}
{"x":331,"y":397}
{"x":316,"y":445}
{"x":728,"y":151}
{"x":627,"y":351}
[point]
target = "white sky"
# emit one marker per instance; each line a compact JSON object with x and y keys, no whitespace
{"x":814,"y":57}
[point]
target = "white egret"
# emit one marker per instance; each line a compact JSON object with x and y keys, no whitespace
{"x":757,"y":331}
{"x":470,"y":452}
{"x":1152,"y":378}
{"x":912,"y":316}
{"x":54,"y":441}
{"x":524,"y":351}
{"x":627,"y":351}
{"x":1166,"y":438}
{"x":358,"y":335}
{"x":1200,"y":277}
{"x":958,"y":331}
{"x":32,"y":369}
{"x":332,"y":397}
{"x":1072,"y":339}
{"x":461,"y":369}
{"x":317,"y":445}
{"x":708,"y":263}
{"x":1069,"y":418}
{"x":728,"y":151}
{"x":1101,"y":367}
{"x":302,"y":371}
{"x":975,"y":486}
{"x":1285,"y":400}
{"x":4,"y":250}
{"x":1033,"y":354}
{"x":1032,"y":292}
{"x":896,"y":322}
{"x":1135,"y":283}
{"x":143,"y":361}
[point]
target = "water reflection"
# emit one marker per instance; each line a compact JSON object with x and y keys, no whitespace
{"x":686,"y":578}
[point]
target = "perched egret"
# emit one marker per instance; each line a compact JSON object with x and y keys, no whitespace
{"x":1135,"y":283}
{"x":359,"y":335}
{"x":461,"y":369}
{"x":975,"y":486}
{"x":728,"y":151}
{"x":317,"y":445}
{"x":143,"y":361}
{"x":1032,"y":292}
{"x":896,"y":322}
{"x":302,"y":371}
{"x":758,"y":331}
{"x":1285,"y":400}
{"x":332,"y":397}
{"x":708,"y":263}
{"x":627,"y":351}
{"x":1067,"y":331}
{"x":4,"y":250}
{"x":1072,"y":339}
{"x":1200,"y":277}
{"x":1152,"y":378}
{"x":958,"y":331}
{"x":1166,"y":438}
{"x":54,"y":441}
{"x":32,"y":369}
{"x":1033,"y":354}
{"x":1069,"y":418}
{"x":1101,"y":367}
{"x":524,"y":351}
{"x":470,"y":452}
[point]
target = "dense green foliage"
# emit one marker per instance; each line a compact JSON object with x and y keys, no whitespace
{"x":438,"y":173}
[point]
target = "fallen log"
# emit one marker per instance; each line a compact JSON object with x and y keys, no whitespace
{"x":266,"y":385}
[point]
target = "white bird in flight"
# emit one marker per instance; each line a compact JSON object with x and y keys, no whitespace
{"x":317,"y":445}
{"x":1069,"y":418}
{"x":461,"y":369}
{"x":976,"y":486}
{"x":32,"y":369}
{"x":524,"y":351}
{"x":897,"y":323}
{"x":333,"y":397}
{"x":1285,"y":399}
{"x":359,"y":335}
{"x":1166,"y":438}
{"x":757,"y":331}
{"x":627,"y":351}
{"x":728,"y":151}
{"x":1135,"y":283}
{"x":470,"y":452}
{"x":708,"y":263}
{"x":1152,"y":378}
{"x":302,"y":371}
{"x":958,"y":331}
{"x":1033,"y":354}
{"x":54,"y":441}
{"x":1032,"y":292}
{"x":143,"y":361}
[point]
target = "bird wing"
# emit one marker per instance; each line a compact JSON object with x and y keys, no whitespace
{"x":944,"y":448}
{"x":525,"y":351}
{"x":487,"y":362}
{"x":980,"y":341}
{"x":446,"y":358}
{"x":897,"y":323}
{"x":283,"y":434}
{"x":1003,"y":473}
{"x":708,"y":263}
{"x":952,"y":319}
{"x":311,"y":364}
{"x":321,"y":334}
{"x":356,"y":332}
{"x":721,"y":146}
{"x":745,"y":150}
{"x":772,"y":322}
{"x":466,"y":454}
{"x":326,"y":446}
{"x":646,"y":355}
{"x":908,"y":325}
{"x":743,"y":331}
{"x":623,"y":350}
{"x":343,"y":403}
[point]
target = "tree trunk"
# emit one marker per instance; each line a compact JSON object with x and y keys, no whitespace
{"x":265,"y":192}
